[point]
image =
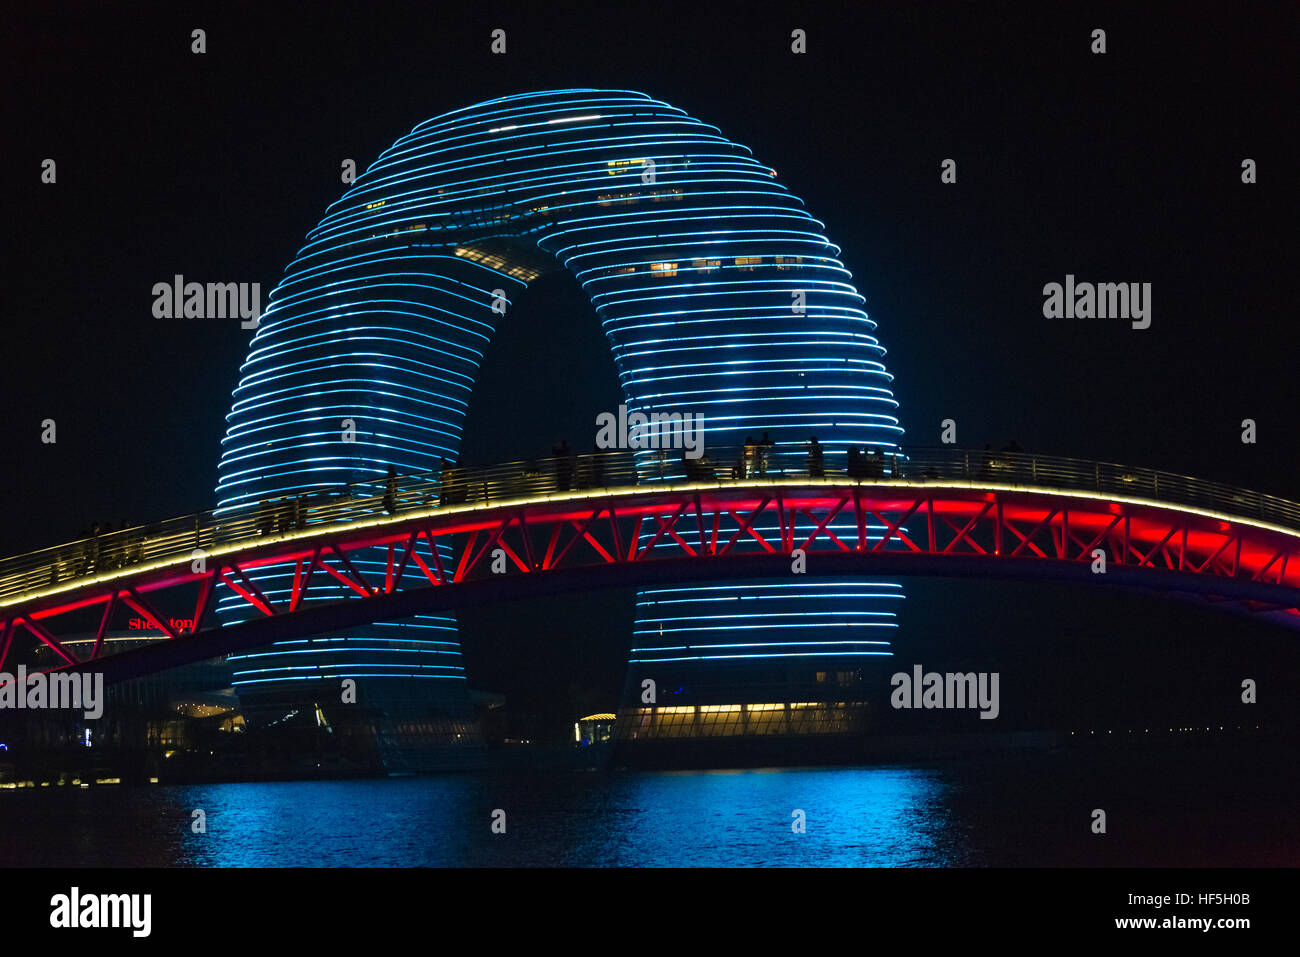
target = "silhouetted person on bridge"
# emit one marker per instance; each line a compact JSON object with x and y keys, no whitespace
{"x":136,"y":542}
{"x":873,"y":465}
{"x":765,"y":447}
{"x":441,"y":479}
{"x":390,"y":491}
{"x":127,"y":549}
{"x":855,"y":467}
{"x":563,"y":465}
{"x":90,"y":551}
{"x":1011,"y":462}
{"x":121,"y":546}
{"x":697,"y":470}
{"x":109,"y":549}
{"x":750,"y":457}
{"x":453,"y":486}
{"x":986,"y":459}
{"x":816,"y":465}
{"x":659,"y":457}
{"x":582,"y":472}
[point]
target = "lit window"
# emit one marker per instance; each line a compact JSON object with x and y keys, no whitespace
{"x":664,"y":269}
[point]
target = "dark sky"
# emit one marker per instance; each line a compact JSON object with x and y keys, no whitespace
{"x":1116,"y":167}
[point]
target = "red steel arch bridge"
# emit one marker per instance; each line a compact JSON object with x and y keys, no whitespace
{"x":469,"y":536}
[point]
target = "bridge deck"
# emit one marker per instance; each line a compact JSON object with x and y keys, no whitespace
{"x":220,"y":531}
{"x":591,"y":521}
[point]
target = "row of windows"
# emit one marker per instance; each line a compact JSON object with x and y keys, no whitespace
{"x":499,"y":263}
{"x":841,"y":678}
{"x":743,"y":263}
{"x":707,"y":721}
{"x":631,"y":199}
{"x":443,"y":728}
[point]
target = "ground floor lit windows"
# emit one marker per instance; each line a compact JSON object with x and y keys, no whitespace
{"x":730,"y":720}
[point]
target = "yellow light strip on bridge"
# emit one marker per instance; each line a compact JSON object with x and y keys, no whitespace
{"x":638,"y":491}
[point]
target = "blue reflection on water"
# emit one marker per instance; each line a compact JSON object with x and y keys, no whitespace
{"x":1009,"y":810}
{"x":854,"y":817}
{"x":859,"y":817}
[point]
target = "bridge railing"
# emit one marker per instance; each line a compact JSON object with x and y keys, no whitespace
{"x":176,"y":539}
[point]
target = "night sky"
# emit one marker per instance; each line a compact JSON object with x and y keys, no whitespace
{"x":1117,"y":167}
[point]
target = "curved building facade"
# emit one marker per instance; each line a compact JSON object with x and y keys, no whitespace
{"x":717,"y":291}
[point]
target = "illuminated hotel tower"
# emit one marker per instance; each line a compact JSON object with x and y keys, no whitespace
{"x":693,"y":255}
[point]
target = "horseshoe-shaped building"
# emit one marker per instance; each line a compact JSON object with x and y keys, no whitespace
{"x":719,"y":296}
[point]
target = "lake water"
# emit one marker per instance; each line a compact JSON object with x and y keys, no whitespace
{"x":1224,"y":807}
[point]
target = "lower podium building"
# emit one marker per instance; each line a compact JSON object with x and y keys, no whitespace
{"x":771,"y":672}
